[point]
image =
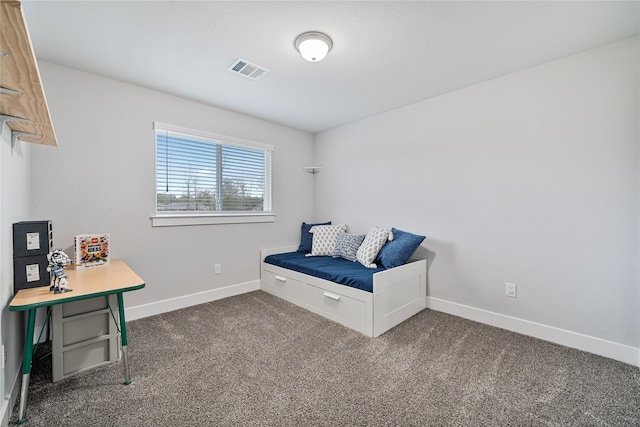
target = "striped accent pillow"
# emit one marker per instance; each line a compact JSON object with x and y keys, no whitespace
{"x":347,"y":246}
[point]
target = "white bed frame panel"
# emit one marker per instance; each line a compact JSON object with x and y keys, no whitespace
{"x":398,"y":294}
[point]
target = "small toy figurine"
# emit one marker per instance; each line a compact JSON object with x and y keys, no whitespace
{"x":59,"y":281}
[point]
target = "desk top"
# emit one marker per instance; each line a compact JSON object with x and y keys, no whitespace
{"x":89,"y":282}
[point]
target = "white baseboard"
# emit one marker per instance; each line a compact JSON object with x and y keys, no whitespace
{"x":610,"y":349}
{"x":9,"y":401}
{"x":5,"y":413}
{"x":164,"y":306}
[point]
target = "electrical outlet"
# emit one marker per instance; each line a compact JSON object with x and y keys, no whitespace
{"x":510,"y":290}
{"x":217,"y":269}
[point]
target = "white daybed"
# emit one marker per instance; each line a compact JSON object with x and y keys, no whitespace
{"x":398,"y":293}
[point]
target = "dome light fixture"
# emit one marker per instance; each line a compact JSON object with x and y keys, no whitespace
{"x":313,"y":45}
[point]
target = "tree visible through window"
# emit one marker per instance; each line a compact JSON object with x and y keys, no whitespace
{"x":197,"y":172}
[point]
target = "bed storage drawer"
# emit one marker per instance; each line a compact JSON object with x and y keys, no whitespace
{"x":341,"y":308}
{"x":282,"y":286}
{"x":392,"y":301}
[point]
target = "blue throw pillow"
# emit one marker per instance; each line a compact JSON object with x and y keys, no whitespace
{"x":306,"y":238}
{"x":398,"y":251}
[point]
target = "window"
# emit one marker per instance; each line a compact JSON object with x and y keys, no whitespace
{"x":199,"y":174}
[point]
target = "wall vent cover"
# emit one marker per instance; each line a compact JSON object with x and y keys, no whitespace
{"x":247,"y":69}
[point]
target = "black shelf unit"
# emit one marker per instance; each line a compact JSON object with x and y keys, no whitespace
{"x":32,"y":241}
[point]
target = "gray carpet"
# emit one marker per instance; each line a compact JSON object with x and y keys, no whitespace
{"x":255,"y":360}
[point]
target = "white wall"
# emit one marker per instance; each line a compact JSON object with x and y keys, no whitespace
{"x":531,"y":178}
{"x":15,"y":205}
{"x":101,"y":179}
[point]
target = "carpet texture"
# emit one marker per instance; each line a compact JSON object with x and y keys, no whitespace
{"x":256,"y":360}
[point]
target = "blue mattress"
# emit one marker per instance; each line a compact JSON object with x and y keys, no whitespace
{"x":337,"y":270}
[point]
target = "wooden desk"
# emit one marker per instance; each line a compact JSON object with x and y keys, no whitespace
{"x":113,"y":278}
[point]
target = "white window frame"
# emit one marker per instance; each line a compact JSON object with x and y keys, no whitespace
{"x":169,"y":219}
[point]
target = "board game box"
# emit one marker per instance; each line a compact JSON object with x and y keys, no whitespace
{"x":91,"y":250}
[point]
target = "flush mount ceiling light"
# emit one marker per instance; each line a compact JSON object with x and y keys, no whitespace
{"x":313,"y":46}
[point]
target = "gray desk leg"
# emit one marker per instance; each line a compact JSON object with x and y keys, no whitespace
{"x":26,"y":366}
{"x":123,"y":333}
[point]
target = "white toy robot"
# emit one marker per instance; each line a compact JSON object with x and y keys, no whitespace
{"x":59,"y":281}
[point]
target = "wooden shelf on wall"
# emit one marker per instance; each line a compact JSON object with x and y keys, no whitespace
{"x":22,"y":94}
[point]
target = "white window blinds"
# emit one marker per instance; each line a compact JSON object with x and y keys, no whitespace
{"x":199,"y":172}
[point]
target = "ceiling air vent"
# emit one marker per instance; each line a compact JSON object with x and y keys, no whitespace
{"x":247,"y":69}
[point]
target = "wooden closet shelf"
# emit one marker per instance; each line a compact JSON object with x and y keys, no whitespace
{"x":19,"y":73}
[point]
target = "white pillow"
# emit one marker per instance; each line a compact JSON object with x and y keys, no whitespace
{"x":368,"y":250}
{"x":324,"y":238}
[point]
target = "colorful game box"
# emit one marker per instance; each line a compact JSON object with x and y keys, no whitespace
{"x":91,"y":250}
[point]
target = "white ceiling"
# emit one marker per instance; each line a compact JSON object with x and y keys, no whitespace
{"x":386,"y":54}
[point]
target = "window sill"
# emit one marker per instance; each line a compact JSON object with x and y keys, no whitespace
{"x":208,"y":219}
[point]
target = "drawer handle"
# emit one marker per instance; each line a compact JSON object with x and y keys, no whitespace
{"x":281,"y":278}
{"x":332,"y":296}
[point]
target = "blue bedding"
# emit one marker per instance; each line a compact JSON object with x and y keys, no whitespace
{"x":337,"y":270}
